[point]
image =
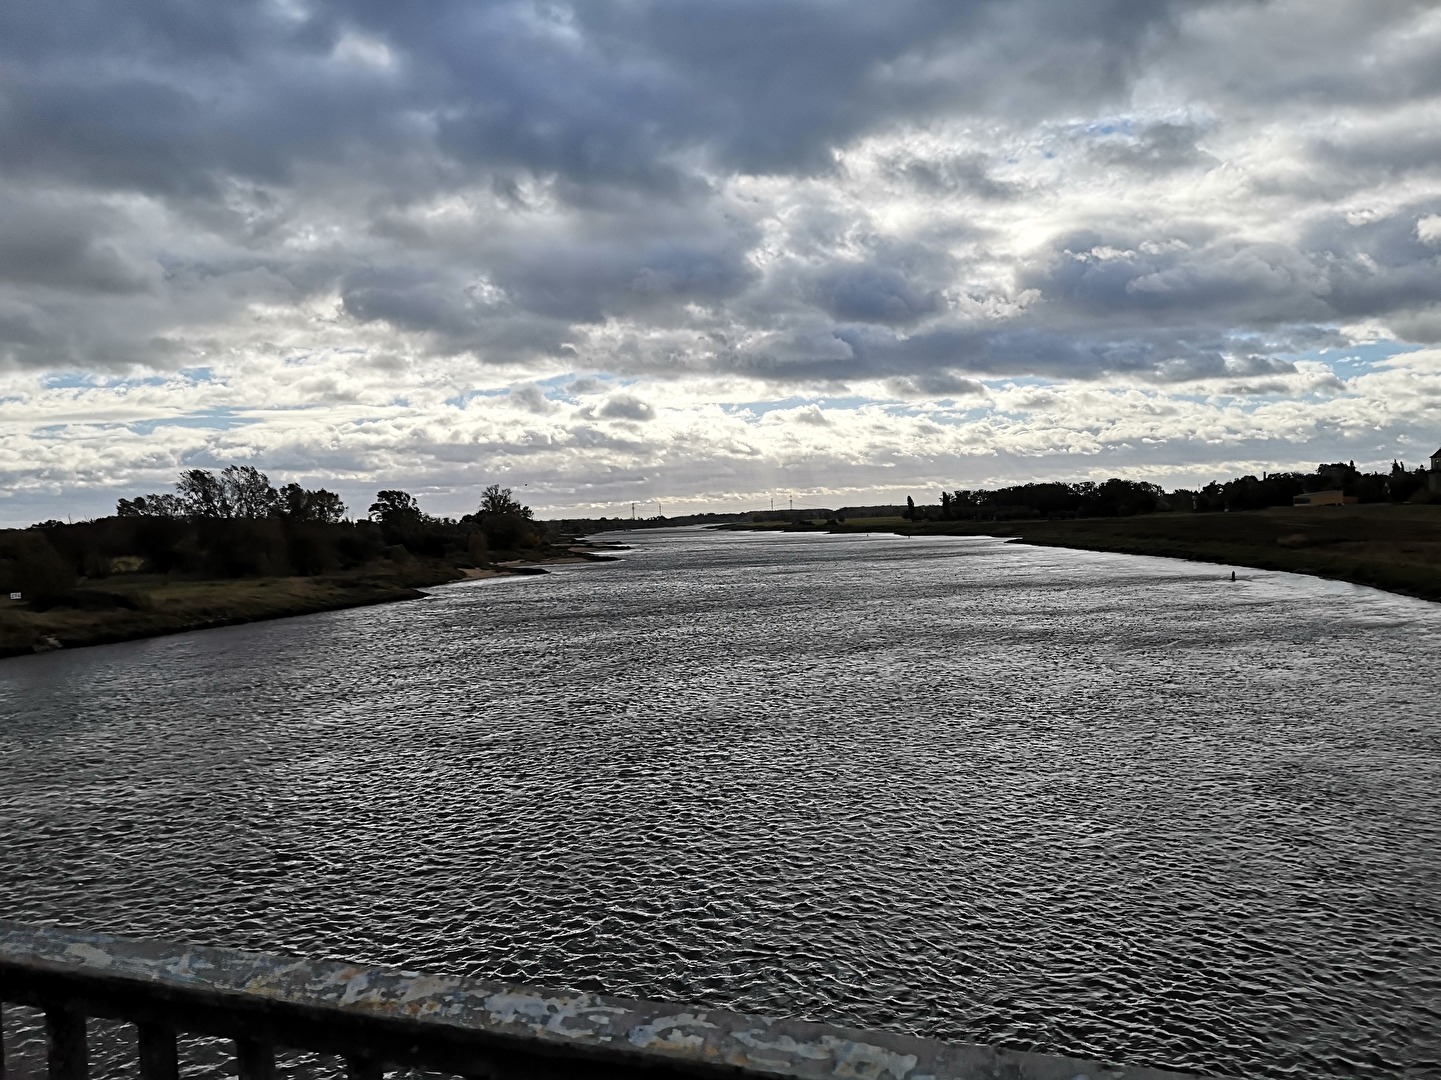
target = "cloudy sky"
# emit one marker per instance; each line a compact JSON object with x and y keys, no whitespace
{"x":702,"y":251}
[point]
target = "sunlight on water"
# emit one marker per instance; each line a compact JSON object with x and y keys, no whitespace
{"x":1107,"y":806}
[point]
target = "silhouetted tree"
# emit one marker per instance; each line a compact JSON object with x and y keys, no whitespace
{"x":298,"y":504}
{"x":498,"y":500}
{"x":1401,"y":484}
{"x":393,"y":507}
{"x":203,"y":495}
{"x":164,"y":505}
{"x":505,"y":522}
{"x":248,"y":493}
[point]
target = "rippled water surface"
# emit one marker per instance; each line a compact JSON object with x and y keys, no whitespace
{"x":1085,"y":803}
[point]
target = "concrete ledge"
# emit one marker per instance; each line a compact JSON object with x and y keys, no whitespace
{"x":472,"y":1026}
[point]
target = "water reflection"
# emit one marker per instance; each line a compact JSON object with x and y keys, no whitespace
{"x":1067,"y":801}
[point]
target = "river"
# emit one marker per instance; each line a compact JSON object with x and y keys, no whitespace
{"x":1086,"y":803}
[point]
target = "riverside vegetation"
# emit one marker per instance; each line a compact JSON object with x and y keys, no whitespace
{"x":229,"y":548}
{"x":1389,"y":537}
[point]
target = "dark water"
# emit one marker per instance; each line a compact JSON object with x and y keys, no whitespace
{"x":1085,"y":803}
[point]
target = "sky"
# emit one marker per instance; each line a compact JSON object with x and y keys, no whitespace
{"x":705,"y":253}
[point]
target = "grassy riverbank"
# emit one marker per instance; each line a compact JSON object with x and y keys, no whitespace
{"x":1397,"y":548}
{"x":146,"y":605}
{"x":129,"y":606}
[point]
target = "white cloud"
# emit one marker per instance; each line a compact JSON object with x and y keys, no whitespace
{"x":638,"y":255}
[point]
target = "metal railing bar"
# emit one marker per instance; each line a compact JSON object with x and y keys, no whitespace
{"x":68,"y":1057}
{"x":158,"y":1057}
{"x":395,"y":1040}
{"x":387,"y":1039}
{"x":375,"y":1018}
{"x":254,"y":1059}
{"x":363,"y":1067}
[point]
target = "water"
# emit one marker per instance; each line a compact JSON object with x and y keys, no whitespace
{"x":1107,"y":806}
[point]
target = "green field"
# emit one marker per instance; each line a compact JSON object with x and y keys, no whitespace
{"x":1397,"y":548}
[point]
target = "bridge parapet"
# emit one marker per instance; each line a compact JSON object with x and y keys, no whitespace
{"x":377,"y":1018}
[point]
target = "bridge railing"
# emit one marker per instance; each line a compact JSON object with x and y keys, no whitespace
{"x":376,"y":1018}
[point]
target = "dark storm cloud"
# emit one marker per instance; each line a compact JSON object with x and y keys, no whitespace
{"x":944,"y":361}
{"x":586,"y":282}
{"x":627,"y":407}
{"x":586,"y":384}
{"x":410,"y":299}
{"x":1409,"y":150}
{"x":1336,"y":270}
{"x":58,"y":246}
{"x":970,"y":173}
{"x":1371,"y":54}
{"x":145,"y":97}
{"x":935,"y":385}
{"x":766,"y":86}
{"x":449,"y":314}
{"x":532,"y":399}
{"x":1157,"y":148}
{"x":1378,"y":266}
{"x":873,"y":294}
{"x":162,"y":96}
{"x":1106,"y":274}
{"x":551,"y":284}
{"x":169,"y":166}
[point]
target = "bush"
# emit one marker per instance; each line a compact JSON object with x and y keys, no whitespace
{"x":358,"y":544}
{"x":508,"y":531}
{"x":311,"y":548}
{"x":478,"y":548}
{"x":31,"y":566}
{"x":238,"y":547}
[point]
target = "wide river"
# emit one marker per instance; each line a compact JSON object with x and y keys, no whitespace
{"x":1109,"y":806}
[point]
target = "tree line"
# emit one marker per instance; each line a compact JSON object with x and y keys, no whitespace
{"x":1122,"y":498}
{"x":236,"y":523}
{"x":238,"y":492}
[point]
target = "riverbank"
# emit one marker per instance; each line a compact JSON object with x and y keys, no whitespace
{"x":132,"y":606}
{"x":1396,"y":548}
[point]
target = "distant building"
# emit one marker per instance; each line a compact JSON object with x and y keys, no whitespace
{"x":1323,"y":498}
{"x":1433,"y":478}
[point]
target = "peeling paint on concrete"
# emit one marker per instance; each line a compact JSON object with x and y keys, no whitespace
{"x":865,"y":1061}
{"x":782,"y":1047}
{"x":89,"y":954}
{"x":683,"y":1033}
{"x":672,"y":1037}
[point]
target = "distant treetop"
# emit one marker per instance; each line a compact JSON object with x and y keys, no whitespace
{"x":392,"y":507}
{"x":498,"y":500}
{"x":240,"y":492}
